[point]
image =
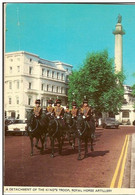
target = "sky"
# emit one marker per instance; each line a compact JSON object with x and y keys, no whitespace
{"x":68,"y":32}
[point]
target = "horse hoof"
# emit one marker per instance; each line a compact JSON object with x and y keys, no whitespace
{"x":31,"y":154}
{"x":86,"y":155}
{"x":52,"y":155}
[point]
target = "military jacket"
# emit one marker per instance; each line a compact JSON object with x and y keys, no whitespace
{"x":86,"y":111}
{"x":59,"y":111}
{"x":74,"y":112}
{"x":50,"y":109}
{"x":67,"y":110}
{"x":37,"y":111}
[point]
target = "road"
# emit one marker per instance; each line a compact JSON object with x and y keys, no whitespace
{"x":97,"y":170}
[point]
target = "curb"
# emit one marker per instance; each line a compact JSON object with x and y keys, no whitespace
{"x":132,"y":170}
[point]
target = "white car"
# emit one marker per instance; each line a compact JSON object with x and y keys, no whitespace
{"x":18,"y":127}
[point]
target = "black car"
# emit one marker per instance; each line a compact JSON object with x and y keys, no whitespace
{"x":110,"y":123}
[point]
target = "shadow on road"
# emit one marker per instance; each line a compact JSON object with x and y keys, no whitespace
{"x":98,"y":153}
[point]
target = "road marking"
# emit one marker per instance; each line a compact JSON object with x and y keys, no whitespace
{"x":118,"y":165}
{"x":123,"y":165}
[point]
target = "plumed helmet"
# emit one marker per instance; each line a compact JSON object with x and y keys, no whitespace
{"x":37,"y":101}
{"x":50,"y":102}
{"x":58,"y":101}
{"x":74,"y":103}
{"x":85,"y":101}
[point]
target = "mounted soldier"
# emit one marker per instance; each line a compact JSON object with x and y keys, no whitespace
{"x":87,"y":115}
{"x":37,"y":111}
{"x":74,"y":110}
{"x":59,"y":112}
{"x":50,"y":108}
{"x":67,"y":110}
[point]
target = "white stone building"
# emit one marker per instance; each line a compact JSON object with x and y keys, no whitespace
{"x":127,"y":112}
{"x":27,"y":77}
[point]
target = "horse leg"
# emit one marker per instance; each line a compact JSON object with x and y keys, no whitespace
{"x":91,"y":145}
{"x":86,"y":147}
{"x":36,"y":145}
{"x":60,"y":145}
{"x":73,"y":143}
{"x":31,"y":140}
{"x":79,"y":149}
{"x":52,"y":145}
{"x":42,"y":143}
{"x":45,"y":147}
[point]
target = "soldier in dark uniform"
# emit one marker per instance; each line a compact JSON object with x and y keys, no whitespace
{"x":74,"y":110}
{"x":37,"y":111}
{"x":50,"y":108}
{"x":59,"y":112}
{"x":87,"y":114}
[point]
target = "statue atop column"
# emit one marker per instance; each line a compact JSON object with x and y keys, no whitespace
{"x":119,"y":18}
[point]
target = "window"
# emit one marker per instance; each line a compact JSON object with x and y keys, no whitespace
{"x":29,"y":101}
{"x":48,"y":73}
{"x":10,"y":85}
{"x":57,"y":89}
{"x":52,"y":88}
{"x":52,"y":74}
{"x":11,"y":60}
{"x":30,"y":70}
{"x":10,"y":69}
{"x":17,"y":100}
{"x":47,"y":88}
{"x":62,"y":76}
{"x":57,"y":75}
{"x":43,"y":70}
{"x":18,"y":68}
{"x":30,"y":60}
{"x":17,"y":84}
{"x":67,"y":69}
{"x":10,"y":100}
{"x":125,"y":114}
{"x":42,"y":86}
{"x":29,"y":85}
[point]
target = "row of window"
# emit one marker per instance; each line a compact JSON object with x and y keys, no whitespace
{"x":11,"y":69}
{"x":17,"y":85}
{"x":10,"y":100}
{"x":52,"y":74}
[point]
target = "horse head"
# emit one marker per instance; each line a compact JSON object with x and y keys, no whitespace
{"x":80,"y":124}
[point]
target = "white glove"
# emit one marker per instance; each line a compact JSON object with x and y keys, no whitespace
{"x":84,"y":117}
{"x":58,"y":117}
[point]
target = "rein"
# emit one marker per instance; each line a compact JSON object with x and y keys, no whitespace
{"x":84,"y":127}
{"x":56,"y":128}
{"x":31,"y":131}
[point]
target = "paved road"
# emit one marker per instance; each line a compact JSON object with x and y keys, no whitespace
{"x":64,"y":171}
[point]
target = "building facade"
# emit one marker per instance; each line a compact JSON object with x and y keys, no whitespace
{"x":28,"y":77}
{"x":126,"y":115}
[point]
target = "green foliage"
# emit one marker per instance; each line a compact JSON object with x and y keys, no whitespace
{"x":97,"y":81}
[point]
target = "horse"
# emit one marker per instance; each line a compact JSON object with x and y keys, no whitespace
{"x":70,"y":128}
{"x":84,"y":132}
{"x":37,"y":128}
{"x":55,"y":132}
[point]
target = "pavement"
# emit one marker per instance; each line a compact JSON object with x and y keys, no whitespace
{"x":132,"y":170}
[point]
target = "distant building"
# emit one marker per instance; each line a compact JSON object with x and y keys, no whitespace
{"x":127,"y":112}
{"x":29,"y":77}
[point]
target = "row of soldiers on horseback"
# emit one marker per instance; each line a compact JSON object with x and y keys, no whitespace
{"x":58,"y":112}
{"x":58,"y":123}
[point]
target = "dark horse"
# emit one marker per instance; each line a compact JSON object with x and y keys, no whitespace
{"x":84,"y":132}
{"x":55,"y":131}
{"x":37,"y":128}
{"x":70,"y":124}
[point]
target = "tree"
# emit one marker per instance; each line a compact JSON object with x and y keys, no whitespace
{"x":97,"y":81}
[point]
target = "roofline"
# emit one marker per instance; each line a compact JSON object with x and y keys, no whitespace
{"x":21,"y":52}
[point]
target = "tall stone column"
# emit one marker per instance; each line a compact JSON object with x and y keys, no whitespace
{"x":118,"y":32}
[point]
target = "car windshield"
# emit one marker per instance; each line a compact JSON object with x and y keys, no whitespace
{"x":19,"y":121}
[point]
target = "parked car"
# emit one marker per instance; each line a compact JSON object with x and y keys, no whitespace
{"x":17,"y":127}
{"x":110,"y":123}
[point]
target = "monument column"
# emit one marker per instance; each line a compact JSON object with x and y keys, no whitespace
{"x":118,"y":32}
